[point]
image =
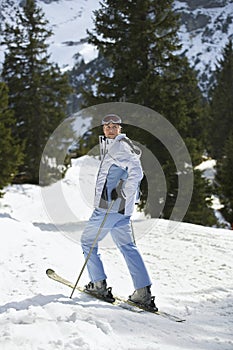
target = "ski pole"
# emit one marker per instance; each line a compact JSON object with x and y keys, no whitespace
{"x":92,"y":247}
{"x":133,"y":235}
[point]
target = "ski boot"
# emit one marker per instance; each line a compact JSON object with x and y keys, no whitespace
{"x":100,"y":290}
{"x":142,"y":297}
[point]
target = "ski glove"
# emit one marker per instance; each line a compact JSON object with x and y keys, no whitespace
{"x":117,"y":192}
{"x":114,"y":194}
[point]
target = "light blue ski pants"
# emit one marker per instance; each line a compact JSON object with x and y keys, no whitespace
{"x":120,"y":228}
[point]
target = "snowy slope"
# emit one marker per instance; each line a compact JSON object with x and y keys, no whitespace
{"x":191,"y":266}
{"x":207,"y":25}
{"x":70,"y":21}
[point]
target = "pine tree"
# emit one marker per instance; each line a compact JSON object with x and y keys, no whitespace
{"x":221,"y":103}
{"x":200,"y":211}
{"x":221,"y":129}
{"x":224,"y":179}
{"x":10,"y":152}
{"x":38,"y":90}
{"x":138,"y":40}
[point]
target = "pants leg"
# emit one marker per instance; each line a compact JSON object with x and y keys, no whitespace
{"x":120,"y":228}
{"x":122,"y":236}
{"x":94,"y":265}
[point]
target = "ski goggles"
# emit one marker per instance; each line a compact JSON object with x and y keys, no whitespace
{"x":111,"y":118}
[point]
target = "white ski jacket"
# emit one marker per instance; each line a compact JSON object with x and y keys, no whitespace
{"x":120,"y":170}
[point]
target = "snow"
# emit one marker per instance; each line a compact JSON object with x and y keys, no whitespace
{"x":69,"y":21}
{"x":198,"y":45}
{"x":208,"y":169}
{"x":191,"y":266}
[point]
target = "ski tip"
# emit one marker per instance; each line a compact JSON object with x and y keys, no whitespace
{"x":49,"y":271}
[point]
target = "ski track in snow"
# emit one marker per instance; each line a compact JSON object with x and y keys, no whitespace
{"x":191,"y":266}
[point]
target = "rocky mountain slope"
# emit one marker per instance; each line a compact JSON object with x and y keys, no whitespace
{"x":206,"y":27}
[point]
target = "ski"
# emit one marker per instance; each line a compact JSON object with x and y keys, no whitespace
{"x":117,"y":301}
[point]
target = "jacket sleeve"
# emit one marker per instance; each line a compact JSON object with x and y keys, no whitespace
{"x":131,"y":186}
{"x":131,"y":162}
